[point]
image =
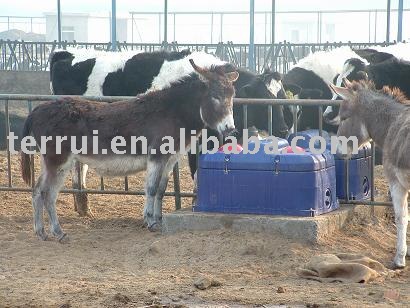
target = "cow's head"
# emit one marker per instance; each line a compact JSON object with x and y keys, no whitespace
{"x":273,"y":81}
{"x":353,"y":69}
{"x":373,"y":56}
{"x":267,"y":85}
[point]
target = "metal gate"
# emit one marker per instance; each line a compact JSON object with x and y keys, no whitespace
{"x":27,"y":101}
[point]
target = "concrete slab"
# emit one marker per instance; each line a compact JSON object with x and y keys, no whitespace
{"x":310,"y":229}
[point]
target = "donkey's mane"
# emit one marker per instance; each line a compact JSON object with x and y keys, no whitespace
{"x":396,"y":94}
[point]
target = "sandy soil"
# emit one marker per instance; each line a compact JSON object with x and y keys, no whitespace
{"x":112,"y":261}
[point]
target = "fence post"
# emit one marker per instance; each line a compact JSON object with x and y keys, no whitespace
{"x":7,"y":123}
{"x":114,"y":25}
{"x":388,"y":21}
{"x":177,"y":187}
{"x":59,"y":23}
{"x":251,"y":54}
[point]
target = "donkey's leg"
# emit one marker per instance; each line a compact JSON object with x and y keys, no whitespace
{"x":155,"y":170}
{"x":54,"y":182}
{"x":157,"y":219}
{"x":38,"y":206}
{"x":161,"y":191}
{"x":81,"y":198}
{"x":399,"y":196}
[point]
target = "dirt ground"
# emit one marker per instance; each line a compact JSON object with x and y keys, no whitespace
{"x":112,"y":261}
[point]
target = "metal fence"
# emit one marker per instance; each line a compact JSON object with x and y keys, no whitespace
{"x":27,"y":101}
{"x":35,"y":56}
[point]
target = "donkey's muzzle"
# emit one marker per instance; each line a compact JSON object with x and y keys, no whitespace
{"x":230,"y":131}
{"x":283,"y":133}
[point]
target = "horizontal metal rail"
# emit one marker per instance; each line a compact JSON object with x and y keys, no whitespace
{"x":100,"y":192}
{"x":238,"y":101}
{"x":366,"y":202}
{"x":110,"y":99}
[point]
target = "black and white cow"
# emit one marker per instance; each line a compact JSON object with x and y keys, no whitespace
{"x":85,"y":72}
{"x":383,"y":68}
{"x":266,"y":85}
{"x":313,"y":74}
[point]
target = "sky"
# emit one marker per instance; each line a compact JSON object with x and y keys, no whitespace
{"x":38,"y":7}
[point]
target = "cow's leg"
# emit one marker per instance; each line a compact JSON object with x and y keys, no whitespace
{"x":155,"y":170}
{"x":399,"y":196}
{"x":54,"y":180}
{"x":80,"y":198}
{"x":192,"y":163}
{"x":38,"y":206}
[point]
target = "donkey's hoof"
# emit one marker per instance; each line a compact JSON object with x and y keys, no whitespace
{"x":155,"y":227}
{"x":399,"y":263}
{"x":398,"y":267}
{"x":149,"y":220}
{"x":63,"y":238}
{"x":89,"y":214}
{"x":42,"y":235}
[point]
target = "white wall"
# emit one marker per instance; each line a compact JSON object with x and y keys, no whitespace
{"x":78,"y":22}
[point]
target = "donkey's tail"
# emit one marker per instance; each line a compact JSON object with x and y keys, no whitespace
{"x":26,"y":158}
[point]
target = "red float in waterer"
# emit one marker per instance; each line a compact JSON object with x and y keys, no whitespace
{"x":238,"y":148}
{"x":289,"y":149}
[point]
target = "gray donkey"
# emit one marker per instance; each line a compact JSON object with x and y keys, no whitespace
{"x":201,"y":98}
{"x":384,"y":117}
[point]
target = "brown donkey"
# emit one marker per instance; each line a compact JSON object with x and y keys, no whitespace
{"x":202,"y":98}
{"x":383,"y":117}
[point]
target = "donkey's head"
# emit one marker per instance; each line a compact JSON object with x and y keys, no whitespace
{"x":351,"y":114}
{"x":217,"y":110}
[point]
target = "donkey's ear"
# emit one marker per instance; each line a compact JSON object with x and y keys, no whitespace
{"x":232,"y":76}
{"x":347,"y":83}
{"x":344,"y":93}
